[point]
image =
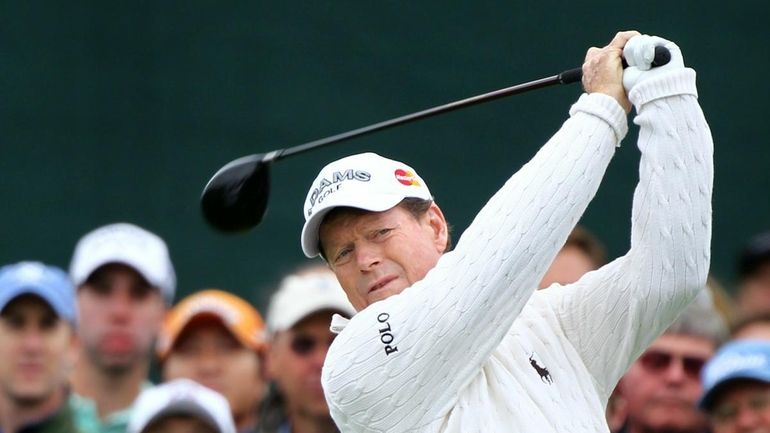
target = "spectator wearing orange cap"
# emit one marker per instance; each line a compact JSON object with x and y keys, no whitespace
{"x":216,"y":339}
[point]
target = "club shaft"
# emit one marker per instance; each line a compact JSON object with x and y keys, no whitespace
{"x":565,"y":77}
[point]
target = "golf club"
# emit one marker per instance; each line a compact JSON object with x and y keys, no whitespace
{"x":235,"y":198}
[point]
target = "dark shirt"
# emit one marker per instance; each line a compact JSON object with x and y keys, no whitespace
{"x":62,"y":421}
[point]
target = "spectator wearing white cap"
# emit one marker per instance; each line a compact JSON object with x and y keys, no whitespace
{"x":181,"y":406}
{"x":298,"y":320}
{"x":736,"y":388}
{"x":124,"y":280}
{"x":37,"y":320}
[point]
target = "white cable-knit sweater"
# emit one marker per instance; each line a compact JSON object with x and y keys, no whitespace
{"x":474,"y":347}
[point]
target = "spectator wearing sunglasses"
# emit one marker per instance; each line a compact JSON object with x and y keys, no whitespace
{"x":217,"y":339}
{"x":736,"y":383}
{"x":660,"y":391}
{"x":298,"y":319}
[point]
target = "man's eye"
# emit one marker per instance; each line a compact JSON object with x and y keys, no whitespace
{"x":383,"y":232}
{"x":342,"y":255}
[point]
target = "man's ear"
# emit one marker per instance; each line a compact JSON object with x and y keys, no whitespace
{"x":438,"y":226}
{"x":270,"y":360}
{"x":266,"y":362}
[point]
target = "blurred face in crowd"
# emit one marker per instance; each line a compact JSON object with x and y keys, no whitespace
{"x":661,"y":389}
{"x":378,"y":254}
{"x":209,"y":354}
{"x":569,"y":265}
{"x":754,"y":292}
{"x":36,"y":347}
{"x":120,"y":315}
{"x":742,"y":406}
{"x":179,"y":424}
{"x":295,"y":360}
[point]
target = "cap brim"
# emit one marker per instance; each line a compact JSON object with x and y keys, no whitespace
{"x":184,"y":408}
{"x":290,"y":319}
{"x":174,"y":334}
{"x":132,"y":262}
{"x":57,"y":305}
{"x":707,"y":400}
{"x":378,"y":203}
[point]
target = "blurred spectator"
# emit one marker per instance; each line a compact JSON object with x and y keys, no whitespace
{"x":736,"y":385}
{"x":37,"y":320}
{"x":217,"y":339}
{"x":181,"y":406}
{"x":298,"y":319}
{"x":124,"y":281}
{"x":753,"y":292}
{"x":660,"y":391}
{"x":723,"y":303}
{"x":583,"y":252}
{"x":756,"y":326}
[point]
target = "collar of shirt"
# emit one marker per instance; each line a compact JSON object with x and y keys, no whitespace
{"x":338,"y":323}
{"x":87,"y":417}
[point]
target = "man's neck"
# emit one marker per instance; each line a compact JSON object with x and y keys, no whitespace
{"x":111,"y":391}
{"x":246,"y":422}
{"x":14,"y":414}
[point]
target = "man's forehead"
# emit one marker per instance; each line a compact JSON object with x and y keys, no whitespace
{"x":683,"y":344}
{"x":346,"y":219}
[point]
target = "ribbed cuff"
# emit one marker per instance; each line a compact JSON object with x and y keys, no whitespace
{"x":606,"y":108}
{"x":676,"y":82}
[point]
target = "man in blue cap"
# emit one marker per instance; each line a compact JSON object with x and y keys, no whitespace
{"x":736,"y":384}
{"x":37,"y":321}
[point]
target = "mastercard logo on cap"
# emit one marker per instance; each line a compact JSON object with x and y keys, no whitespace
{"x":406,"y":177}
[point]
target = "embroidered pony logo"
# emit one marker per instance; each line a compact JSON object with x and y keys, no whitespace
{"x":545,"y":375}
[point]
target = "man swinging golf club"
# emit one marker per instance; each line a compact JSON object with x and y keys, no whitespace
{"x":462,"y":341}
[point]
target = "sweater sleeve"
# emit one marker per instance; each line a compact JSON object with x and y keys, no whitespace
{"x":611,"y":315}
{"x":401,"y":363}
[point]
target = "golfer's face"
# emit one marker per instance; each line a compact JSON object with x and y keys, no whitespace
{"x":379,"y":254}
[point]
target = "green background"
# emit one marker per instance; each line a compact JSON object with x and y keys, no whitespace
{"x":122,"y":111}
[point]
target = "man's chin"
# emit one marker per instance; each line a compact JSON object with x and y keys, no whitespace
{"x":29,"y":397}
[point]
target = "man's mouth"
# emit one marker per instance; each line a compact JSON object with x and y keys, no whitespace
{"x":382,"y":282}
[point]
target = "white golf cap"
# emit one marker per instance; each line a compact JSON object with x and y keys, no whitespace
{"x":129,"y":245}
{"x":365,"y":181}
{"x":304,"y":294}
{"x":181,"y":397}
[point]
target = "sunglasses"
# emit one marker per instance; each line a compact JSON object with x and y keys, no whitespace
{"x":656,"y":361}
{"x":304,"y":345}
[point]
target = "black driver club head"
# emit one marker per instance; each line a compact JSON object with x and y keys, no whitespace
{"x":235,"y":199}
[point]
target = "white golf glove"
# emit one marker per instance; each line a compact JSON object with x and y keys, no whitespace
{"x":639,"y":53}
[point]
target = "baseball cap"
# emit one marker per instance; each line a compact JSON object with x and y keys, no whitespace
{"x":301,"y":295}
{"x":755,"y":253}
{"x":237,"y":315}
{"x":181,"y":397}
{"x":740,"y":359}
{"x":365,"y":181}
{"x":127,"y":244}
{"x":48,"y":282}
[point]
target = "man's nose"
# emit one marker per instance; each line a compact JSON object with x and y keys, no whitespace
{"x":367,"y":257}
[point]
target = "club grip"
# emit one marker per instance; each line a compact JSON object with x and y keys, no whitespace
{"x":662,"y":56}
